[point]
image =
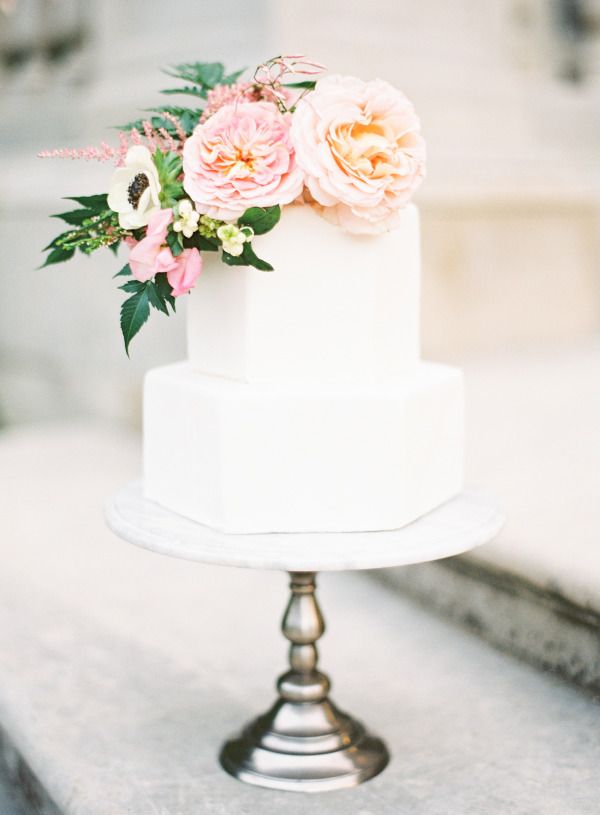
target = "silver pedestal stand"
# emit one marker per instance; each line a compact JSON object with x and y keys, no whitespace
{"x":304,"y":742}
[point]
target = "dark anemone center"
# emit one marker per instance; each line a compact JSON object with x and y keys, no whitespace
{"x":136,"y":188}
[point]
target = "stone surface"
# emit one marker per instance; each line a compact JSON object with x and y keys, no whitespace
{"x":506,"y":609}
{"x":465,"y":521}
{"x":122,"y":671}
{"x":534,"y":438}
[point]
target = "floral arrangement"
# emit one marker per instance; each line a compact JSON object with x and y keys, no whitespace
{"x":212,"y":177}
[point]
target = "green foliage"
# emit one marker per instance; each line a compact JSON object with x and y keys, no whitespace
{"x":96,"y":202}
{"x":200,"y":77}
{"x":58,"y":255}
{"x":201,"y":243}
{"x":260,"y":219}
{"x":175,"y":242}
{"x":188,"y":118}
{"x":156,"y":299}
{"x":94,"y":225}
{"x":305,"y":84}
{"x":204,"y":76}
{"x":250,"y":256}
{"x":76,"y":217}
{"x":163,"y":289}
{"x":187,"y":90}
{"x":247,"y":258}
{"x":170,"y":168}
{"x":134,"y":313}
{"x":136,"y":309}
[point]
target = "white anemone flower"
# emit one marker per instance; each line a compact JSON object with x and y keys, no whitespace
{"x":134,"y":188}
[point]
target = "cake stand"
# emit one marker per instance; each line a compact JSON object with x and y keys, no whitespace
{"x":304,"y":742}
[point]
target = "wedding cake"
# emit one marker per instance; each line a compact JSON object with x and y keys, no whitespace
{"x":281,"y":211}
{"x":303,"y":405}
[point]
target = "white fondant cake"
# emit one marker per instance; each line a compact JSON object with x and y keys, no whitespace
{"x":339,"y":308}
{"x":304,"y":405}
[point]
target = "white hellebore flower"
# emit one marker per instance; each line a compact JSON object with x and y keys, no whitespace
{"x":187,"y":220}
{"x":233,"y":238}
{"x":134,"y":188}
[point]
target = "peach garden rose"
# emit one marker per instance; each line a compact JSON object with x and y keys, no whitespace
{"x":241,"y":157}
{"x":360,"y":146}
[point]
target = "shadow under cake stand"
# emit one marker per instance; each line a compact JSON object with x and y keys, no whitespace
{"x":304,"y":742}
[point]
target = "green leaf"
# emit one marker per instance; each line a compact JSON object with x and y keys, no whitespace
{"x":188,"y":117}
{"x":230,"y":79}
{"x":307,"y":84}
{"x":175,"y":243}
{"x":253,"y":260}
{"x":187,"y":90}
{"x":260,"y":219}
{"x":134,"y":313}
{"x":95,"y":202}
{"x":58,"y":255}
{"x":156,"y":298}
{"x":133,"y":286}
{"x":125,"y":271}
{"x":114,"y":247}
{"x":56,"y":241}
{"x":164,"y":289}
{"x":205,"y":244}
{"x":233,"y":260}
{"x":208,"y":74}
{"x":247,"y":258}
{"x":76,"y":216}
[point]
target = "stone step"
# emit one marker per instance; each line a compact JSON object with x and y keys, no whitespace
{"x":534,"y":441}
{"x":121,"y":672}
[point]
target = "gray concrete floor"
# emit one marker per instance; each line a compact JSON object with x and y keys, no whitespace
{"x":8,"y":803}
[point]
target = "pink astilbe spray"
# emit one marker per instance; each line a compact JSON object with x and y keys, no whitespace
{"x":223,"y":95}
{"x":153,"y":139}
{"x":181,"y":134}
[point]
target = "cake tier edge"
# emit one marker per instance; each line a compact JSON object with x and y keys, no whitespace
{"x":246,"y":458}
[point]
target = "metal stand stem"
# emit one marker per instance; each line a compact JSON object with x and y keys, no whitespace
{"x":304,"y":742}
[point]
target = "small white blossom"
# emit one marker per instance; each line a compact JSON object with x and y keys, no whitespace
{"x":233,"y":238}
{"x":187,"y":220}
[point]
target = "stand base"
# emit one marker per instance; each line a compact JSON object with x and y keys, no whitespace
{"x":307,"y":747}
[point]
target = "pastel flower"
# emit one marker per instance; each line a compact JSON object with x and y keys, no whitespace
{"x":187,"y":220}
{"x":148,"y":257}
{"x":233,"y":238}
{"x":241,"y":157}
{"x":361,"y":148}
{"x":134,"y":189}
{"x":182,"y":277}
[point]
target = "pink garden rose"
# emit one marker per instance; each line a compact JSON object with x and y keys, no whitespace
{"x":150,"y":257}
{"x":241,"y":157}
{"x":360,"y":145}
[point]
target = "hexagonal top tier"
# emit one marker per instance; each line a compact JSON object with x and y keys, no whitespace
{"x":339,"y":308}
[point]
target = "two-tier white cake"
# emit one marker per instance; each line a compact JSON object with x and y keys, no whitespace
{"x":304,"y":404}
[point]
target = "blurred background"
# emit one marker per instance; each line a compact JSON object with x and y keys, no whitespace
{"x":509,"y":95}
